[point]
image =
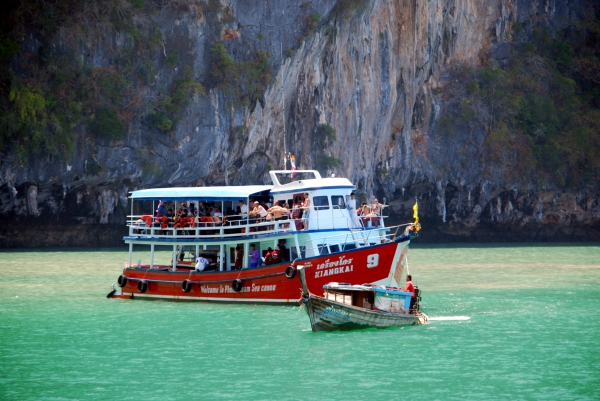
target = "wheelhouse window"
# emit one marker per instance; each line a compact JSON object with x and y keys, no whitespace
{"x":321,"y":202}
{"x":338,"y":202}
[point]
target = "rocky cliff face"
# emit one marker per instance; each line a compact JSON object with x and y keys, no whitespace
{"x":382,"y":76}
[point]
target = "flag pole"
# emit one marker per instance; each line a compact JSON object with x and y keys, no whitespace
{"x":285,"y":156}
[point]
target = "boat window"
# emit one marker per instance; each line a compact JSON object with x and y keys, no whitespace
{"x":334,"y":248}
{"x":323,"y":250}
{"x":321,"y":202}
{"x":347,"y":247}
{"x":338,"y":202}
{"x":286,"y":178}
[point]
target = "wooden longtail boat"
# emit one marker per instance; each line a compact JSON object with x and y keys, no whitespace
{"x":347,"y":307}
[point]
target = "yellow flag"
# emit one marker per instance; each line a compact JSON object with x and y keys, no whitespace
{"x":416,"y":212}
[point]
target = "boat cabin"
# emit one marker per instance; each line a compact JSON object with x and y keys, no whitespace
{"x":387,"y":299}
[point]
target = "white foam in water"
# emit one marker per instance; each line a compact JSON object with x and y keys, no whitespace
{"x":450,"y":318}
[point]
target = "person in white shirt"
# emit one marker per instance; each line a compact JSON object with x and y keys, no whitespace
{"x":259,"y":211}
{"x":243,"y":209}
{"x":217,"y":216}
{"x":201,"y":263}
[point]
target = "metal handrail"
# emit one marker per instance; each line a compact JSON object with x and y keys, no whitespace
{"x":388,"y":235}
{"x":221,"y":231}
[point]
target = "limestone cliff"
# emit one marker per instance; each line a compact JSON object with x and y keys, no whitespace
{"x":380,"y":74}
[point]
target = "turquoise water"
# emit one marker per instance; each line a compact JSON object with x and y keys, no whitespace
{"x":533,"y":334}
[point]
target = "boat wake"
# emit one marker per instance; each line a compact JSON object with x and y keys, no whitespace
{"x":449,"y":318}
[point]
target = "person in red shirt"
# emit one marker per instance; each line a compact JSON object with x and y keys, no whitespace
{"x":272,"y":256}
{"x":239,"y":257}
{"x":410,"y":288}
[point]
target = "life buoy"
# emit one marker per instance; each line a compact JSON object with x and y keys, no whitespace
{"x":290,"y":272}
{"x":122,"y":281}
{"x":237,"y":285}
{"x":142,"y":286}
{"x":186,"y":286}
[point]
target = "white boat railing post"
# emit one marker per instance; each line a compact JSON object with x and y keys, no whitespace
{"x":332,"y":217}
{"x":297,"y":245}
{"x":222,"y":257}
{"x":175,"y":256}
{"x":152,"y":256}
{"x":130,"y":254}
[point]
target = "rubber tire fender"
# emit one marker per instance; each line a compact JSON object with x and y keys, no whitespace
{"x":122,"y":281}
{"x":290,"y":272}
{"x":237,"y":285}
{"x":186,"y":286}
{"x":142,"y":286}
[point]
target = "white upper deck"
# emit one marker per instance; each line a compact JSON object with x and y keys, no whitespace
{"x":305,"y":180}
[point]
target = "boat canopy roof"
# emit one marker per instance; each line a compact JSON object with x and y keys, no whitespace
{"x":347,"y":287}
{"x":208,"y":194}
{"x":384,"y":291}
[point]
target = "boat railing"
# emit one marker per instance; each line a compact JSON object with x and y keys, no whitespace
{"x":354,"y":239}
{"x":149,"y":226}
{"x":204,"y":229}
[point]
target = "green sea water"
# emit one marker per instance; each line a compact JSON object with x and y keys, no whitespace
{"x":533,"y":333}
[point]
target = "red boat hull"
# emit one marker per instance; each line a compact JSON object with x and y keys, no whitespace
{"x":269,"y":284}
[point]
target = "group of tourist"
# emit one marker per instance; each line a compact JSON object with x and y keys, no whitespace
{"x":179,"y":217}
{"x":364,"y":214}
{"x":272,"y":256}
{"x":260,"y":211}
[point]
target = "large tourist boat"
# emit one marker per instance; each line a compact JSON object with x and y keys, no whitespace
{"x":208,"y":257}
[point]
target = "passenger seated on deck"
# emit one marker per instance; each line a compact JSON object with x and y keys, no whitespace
{"x":363,"y":210}
{"x":181,"y":218}
{"x":258,"y":212}
{"x":201,"y":263}
{"x":185,"y":209}
{"x":217,"y":216}
{"x":373,"y":217}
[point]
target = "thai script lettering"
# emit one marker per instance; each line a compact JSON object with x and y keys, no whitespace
{"x":342,"y":261}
